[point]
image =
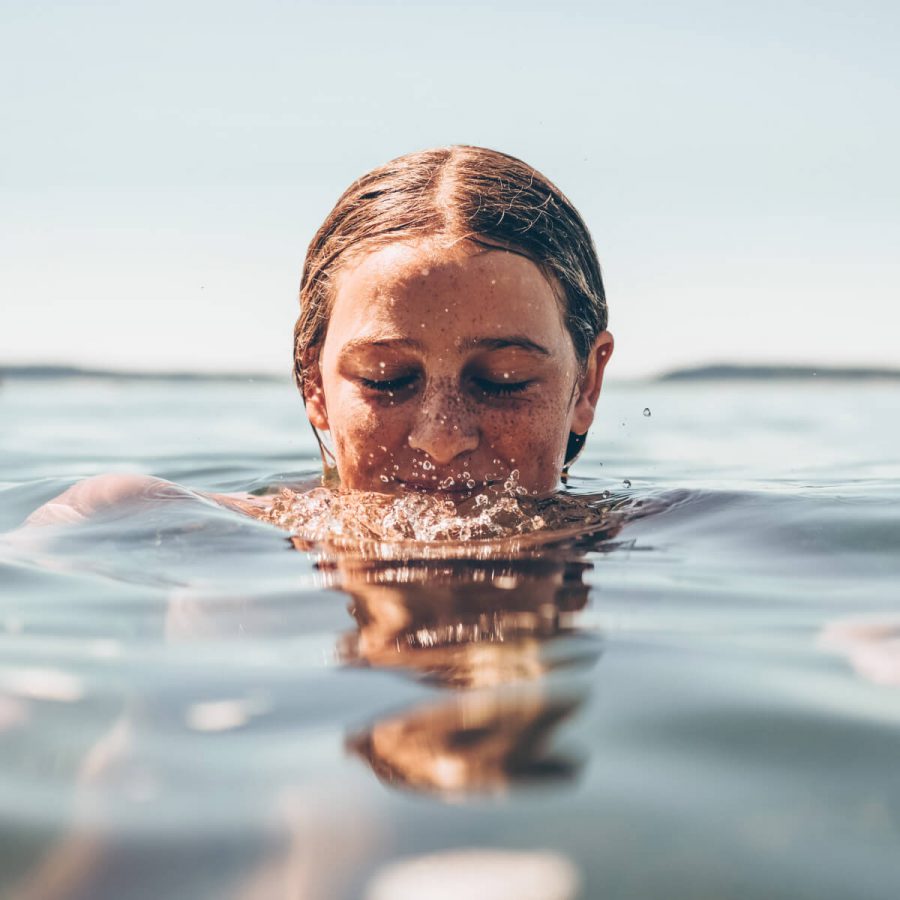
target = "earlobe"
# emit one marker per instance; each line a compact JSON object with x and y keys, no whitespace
{"x":589,"y":392}
{"x":314,"y":396}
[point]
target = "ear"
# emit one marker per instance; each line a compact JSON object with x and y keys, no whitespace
{"x":313,"y":395}
{"x":591,"y":382}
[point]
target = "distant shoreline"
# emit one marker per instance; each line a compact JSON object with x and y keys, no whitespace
{"x":718,"y":372}
{"x":728,"y":372}
{"x":51,"y":373}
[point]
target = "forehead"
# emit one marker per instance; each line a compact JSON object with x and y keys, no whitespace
{"x":418,"y":288}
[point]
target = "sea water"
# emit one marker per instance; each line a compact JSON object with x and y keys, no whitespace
{"x":697,"y":695}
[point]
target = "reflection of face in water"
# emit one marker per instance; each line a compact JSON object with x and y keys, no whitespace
{"x":479,"y":742}
{"x":490,"y":628}
{"x":461,"y":623}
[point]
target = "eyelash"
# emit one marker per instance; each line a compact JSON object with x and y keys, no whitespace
{"x":485,"y":385}
{"x":500,"y":388}
{"x":391,"y":384}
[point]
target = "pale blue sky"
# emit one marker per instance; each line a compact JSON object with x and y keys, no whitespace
{"x":164,"y":164}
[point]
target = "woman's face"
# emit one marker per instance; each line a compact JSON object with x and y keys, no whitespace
{"x":444,"y":368}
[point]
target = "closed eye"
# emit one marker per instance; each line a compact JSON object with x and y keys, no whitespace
{"x":389,"y":384}
{"x":500,"y":388}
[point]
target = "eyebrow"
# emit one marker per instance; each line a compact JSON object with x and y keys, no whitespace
{"x":361,"y":344}
{"x":503,"y":343}
{"x":515,"y":341}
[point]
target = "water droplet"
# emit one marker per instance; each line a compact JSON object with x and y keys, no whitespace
{"x":647,"y":411}
{"x":627,"y":483}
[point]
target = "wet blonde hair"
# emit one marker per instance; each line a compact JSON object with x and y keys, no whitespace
{"x":462,"y":193}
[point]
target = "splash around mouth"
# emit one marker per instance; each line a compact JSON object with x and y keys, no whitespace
{"x":429,"y":513}
{"x":447,"y":486}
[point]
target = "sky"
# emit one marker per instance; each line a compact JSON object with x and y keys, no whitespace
{"x":163,"y":165}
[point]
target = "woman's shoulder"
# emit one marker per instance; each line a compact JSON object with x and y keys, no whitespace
{"x":102,"y":493}
{"x":123,"y":493}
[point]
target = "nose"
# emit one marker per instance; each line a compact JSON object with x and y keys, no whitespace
{"x":444,"y":427}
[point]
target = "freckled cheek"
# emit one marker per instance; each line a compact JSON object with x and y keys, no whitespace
{"x":534,"y":437}
{"x":367,"y":440}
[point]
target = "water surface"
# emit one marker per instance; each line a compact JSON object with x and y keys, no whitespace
{"x":702,"y":701}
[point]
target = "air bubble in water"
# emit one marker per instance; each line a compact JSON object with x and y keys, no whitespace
{"x":647,"y":412}
{"x":470,"y":484}
{"x":481,"y":500}
{"x":427,"y":466}
{"x":384,"y":478}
